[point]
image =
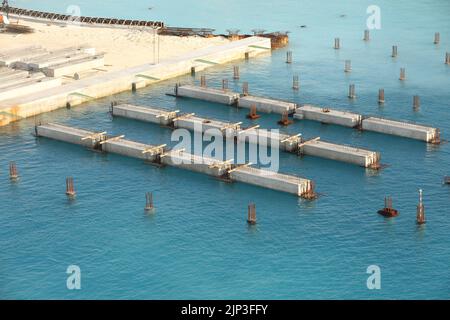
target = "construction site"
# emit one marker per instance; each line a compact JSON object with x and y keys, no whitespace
{"x":35,"y":79}
{"x":191,"y":150}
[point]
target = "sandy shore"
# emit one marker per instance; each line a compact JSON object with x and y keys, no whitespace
{"x":123,"y":48}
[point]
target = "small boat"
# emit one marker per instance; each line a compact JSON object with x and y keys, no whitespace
{"x":388,"y":211}
{"x":447,"y":180}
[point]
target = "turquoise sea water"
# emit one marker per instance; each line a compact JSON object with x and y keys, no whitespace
{"x":197,"y":244}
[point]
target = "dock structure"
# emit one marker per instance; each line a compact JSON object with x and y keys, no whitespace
{"x":109,"y":83}
{"x":160,"y":116}
{"x":266,"y":105}
{"x":348,"y":154}
{"x":402,"y":129}
{"x":179,"y":158}
{"x":207,"y":94}
{"x":381,"y":125}
{"x":276,"y":181}
{"x":263,"y":137}
{"x":326,"y":115}
{"x":262,"y":104}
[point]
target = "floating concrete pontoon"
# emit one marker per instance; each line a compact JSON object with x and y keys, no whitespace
{"x":69,"y":134}
{"x":402,"y":129}
{"x":231,"y":98}
{"x":193,"y":123}
{"x":207,"y":94}
{"x":159,"y":116}
{"x":268,"y":138}
{"x":361,"y":157}
{"x":266,"y":105}
{"x":326,"y":115}
{"x":113,"y":82}
{"x":178,"y":158}
{"x":348,"y":119}
{"x":271,"y":180}
{"x":287,"y":143}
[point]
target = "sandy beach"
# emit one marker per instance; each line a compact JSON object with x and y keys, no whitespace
{"x":123,"y":48}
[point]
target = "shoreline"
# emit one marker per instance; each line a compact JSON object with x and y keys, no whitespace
{"x":133,"y":59}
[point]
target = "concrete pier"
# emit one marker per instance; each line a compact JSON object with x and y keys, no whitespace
{"x":262,"y":104}
{"x":178,"y":158}
{"x":402,"y":129}
{"x":360,"y":157}
{"x":207,"y":94}
{"x":287,"y":143}
{"x":154,"y":115}
{"x":326,"y":115}
{"x":266,"y":105}
{"x":271,"y":180}
{"x":110,"y":83}
{"x":77,"y":136}
{"x":348,"y":119}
